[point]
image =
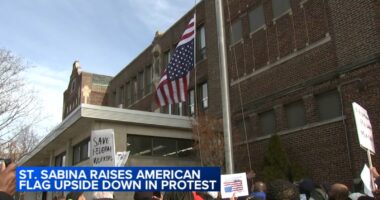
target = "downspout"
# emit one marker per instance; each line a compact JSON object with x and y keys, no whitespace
{"x":348,"y":146}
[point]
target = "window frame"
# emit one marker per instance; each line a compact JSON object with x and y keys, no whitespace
{"x":148,"y":79}
{"x":283,"y":12}
{"x":79,"y":146}
{"x":121,"y":96}
{"x":201,"y":39}
{"x":134,"y":90}
{"x":150,"y":140}
{"x":250,"y":14}
{"x":260,"y":117}
{"x":191,"y":102}
{"x":203,"y":98}
{"x":140,"y":85}
{"x":318,"y":99}
{"x":129,"y":94}
{"x":289,"y":107}
{"x":232,"y":41}
{"x":60,"y":157}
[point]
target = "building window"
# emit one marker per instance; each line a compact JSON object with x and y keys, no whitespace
{"x":134,"y":90}
{"x":60,"y":160}
{"x":166,"y":59}
{"x":267,"y":123}
{"x":191,"y":102}
{"x":81,"y":151}
{"x":204,"y":96}
{"x":114,"y":98}
{"x":280,"y":7}
{"x":329,"y":106}
{"x":256,"y":18}
{"x":159,"y":146}
{"x":140,"y":86}
{"x":177,"y":109}
{"x":170,"y":109}
{"x":201,"y":43}
{"x":295,"y":114}
{"x":121,"y":97}
{"x":245,"y":127}
{"x":73,"y":85}
{"x":129,"y":94}
{"x":164,"y":146}
{"x":180,"y":111}
{"x":148,"y":79}
{"x":236,"y":33}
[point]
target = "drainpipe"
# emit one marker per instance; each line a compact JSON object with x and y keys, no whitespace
{"x":348,"y":146}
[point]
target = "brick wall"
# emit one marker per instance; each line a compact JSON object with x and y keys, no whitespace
{"x":317,"y":46}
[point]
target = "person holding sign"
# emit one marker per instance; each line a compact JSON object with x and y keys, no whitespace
{"x":7,"y":181}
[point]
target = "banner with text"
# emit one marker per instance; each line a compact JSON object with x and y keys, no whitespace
{"x":103,"y":147}
{"x":364,"y":128}
{"x":35,"y":179}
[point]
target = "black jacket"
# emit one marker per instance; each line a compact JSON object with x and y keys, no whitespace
{"x":5,"y":196}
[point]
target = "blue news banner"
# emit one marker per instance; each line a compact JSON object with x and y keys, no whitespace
{"x":36,"y":179}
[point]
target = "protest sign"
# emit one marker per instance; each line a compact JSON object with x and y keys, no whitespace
{"x":121,"y":158}
{"x":234,"y":184}
{"x":366,"y":177}
{"x":103,"y":148}
{"x":364,"y":128}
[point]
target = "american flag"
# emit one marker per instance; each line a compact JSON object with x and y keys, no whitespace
{"x":172,"y":87}
{"x":233,"y":186}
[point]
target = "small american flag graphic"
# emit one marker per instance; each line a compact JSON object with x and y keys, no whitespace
{"x":233,"y":186}
{"x":173,"y":84}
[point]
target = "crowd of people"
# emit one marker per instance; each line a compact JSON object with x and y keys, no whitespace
{"x":275,"y":190}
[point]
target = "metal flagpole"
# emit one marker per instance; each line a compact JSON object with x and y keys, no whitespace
{"x":224,"y":87}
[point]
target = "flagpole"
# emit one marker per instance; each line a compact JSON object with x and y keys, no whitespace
{"x":224,"y":87}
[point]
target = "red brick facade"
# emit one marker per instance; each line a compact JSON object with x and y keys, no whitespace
{"x":86,"y":88}
{"x":314,"y":48}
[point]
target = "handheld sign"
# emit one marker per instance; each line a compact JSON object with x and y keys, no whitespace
{"x":365,"y":175}
{"x":364,"y":128}
{"x":234,"y":184}
{"x":121,"y":158}
{"x":103,"y":148}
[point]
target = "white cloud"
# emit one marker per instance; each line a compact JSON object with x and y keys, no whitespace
{"x":160,"y":14}
{"x":49,"y":85}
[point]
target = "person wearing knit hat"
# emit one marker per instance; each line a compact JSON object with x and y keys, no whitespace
{"x":75,"y":196}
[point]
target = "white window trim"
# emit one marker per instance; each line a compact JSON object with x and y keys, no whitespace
{"x":263,"y":27}
{"x":289,"y":11}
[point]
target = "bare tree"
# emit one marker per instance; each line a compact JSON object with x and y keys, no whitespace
{"x":21,"y":145}
{"x":18,"y":106}
{"x":209,"y":139}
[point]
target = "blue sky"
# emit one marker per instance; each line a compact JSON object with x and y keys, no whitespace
{"x":104,"y":35}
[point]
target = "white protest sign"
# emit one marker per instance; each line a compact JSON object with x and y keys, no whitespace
{"x":121,"y":158}
{"x":365,"y":175}
{"x":234,"y":183}
{"x":103,"y":148}
{"x":364,"y":128}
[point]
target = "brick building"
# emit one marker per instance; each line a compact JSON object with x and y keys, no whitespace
{"x":295,"y":67}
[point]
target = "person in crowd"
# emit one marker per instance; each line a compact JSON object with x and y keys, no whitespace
{"x":7,"y":181}
{"x":282,"y":190}
{"x":306,"y":186}
{"x":178,"y":196}
{"x":259,"y":189}
{"x":319,"y":193}
{"x":61,"y":198}
{"x":143,"y":195}
{"x":338,"y":191}
{"x":75,"y":196}
{"x":102,"y":196}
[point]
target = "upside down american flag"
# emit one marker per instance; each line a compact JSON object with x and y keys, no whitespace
{"x":173,"y":84}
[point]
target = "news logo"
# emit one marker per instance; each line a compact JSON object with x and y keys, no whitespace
{"x":36,"y":179}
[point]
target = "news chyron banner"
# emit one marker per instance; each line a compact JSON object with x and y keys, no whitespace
{"x":37,"y":179}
